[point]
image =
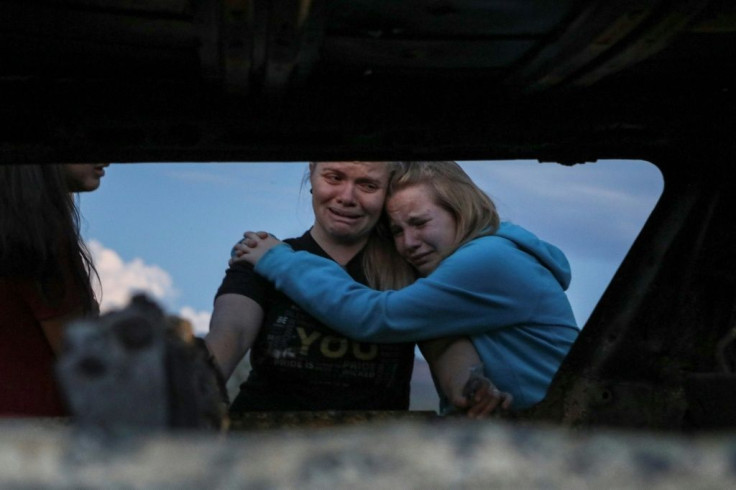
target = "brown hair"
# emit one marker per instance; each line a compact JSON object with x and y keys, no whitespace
{"x":40,"y":237}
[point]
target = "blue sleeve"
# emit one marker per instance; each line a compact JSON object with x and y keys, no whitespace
{"x":473,"y":291}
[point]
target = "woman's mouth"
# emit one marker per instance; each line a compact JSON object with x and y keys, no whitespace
{"x":417,"y":260}
{"x":347,"y":216}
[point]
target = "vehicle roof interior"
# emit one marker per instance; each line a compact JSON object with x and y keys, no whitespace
{"x":176,"y":80}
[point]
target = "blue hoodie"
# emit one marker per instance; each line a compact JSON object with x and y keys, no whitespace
{"x":506,"y":292}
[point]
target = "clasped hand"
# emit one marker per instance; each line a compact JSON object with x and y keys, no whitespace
{"x":252,"y":247}
{"x":480,"y":398}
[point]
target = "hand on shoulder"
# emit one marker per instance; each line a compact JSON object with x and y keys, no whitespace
{"x":252,"y":247}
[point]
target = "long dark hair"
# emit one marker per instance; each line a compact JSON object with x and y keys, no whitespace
{"x":39,"y":233}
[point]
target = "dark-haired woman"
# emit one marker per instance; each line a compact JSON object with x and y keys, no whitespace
{"x":45,"y":272}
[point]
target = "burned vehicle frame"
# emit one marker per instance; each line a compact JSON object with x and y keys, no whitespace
{"x":564,"y":82}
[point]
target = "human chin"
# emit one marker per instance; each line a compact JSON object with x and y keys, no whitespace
{"x":349,"y":233}
{"x":426,"y":267}
{"x":91,"y":184}
{"x":347,"y":222}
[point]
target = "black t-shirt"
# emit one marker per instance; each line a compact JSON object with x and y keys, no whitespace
{"x":298,"y":363}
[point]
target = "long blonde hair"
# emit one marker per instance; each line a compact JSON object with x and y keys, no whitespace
{"x":384,"y":267}
{"x":473,"y":210}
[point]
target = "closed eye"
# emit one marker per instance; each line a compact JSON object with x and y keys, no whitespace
{"x":369,"y":186}
{"x":332,"y":178}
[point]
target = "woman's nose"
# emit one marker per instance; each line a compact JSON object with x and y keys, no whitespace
{"x":411,"y":240}
{"x":347,"y":193}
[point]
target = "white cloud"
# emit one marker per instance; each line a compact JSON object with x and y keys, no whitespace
{"x":120,"y":280}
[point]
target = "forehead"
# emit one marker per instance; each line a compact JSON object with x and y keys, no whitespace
{"x":375,"y":170}
{"x":410,"y":201}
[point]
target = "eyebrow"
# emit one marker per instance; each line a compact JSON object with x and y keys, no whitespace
{"x":370,"y":180}
{"x":331,"y":170}
{"x":418,"y":217}
{"x":411,"y":221}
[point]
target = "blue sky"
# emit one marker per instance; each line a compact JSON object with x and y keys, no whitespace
{"x":167,"y":228}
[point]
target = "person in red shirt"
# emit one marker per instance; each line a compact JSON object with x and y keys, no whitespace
{"x":45,"y":272}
